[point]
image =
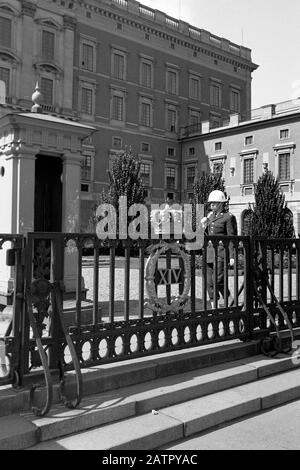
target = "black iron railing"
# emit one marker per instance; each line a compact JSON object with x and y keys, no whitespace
{"x":116,"y":300}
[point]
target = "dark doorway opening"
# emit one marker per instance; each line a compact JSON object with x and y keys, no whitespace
{"x":48,"y":194}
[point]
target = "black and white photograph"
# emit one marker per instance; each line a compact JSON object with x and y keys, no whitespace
{"x":149,"y":228}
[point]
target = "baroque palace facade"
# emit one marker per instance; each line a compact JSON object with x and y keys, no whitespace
{"x":243,"y":150}
{"x":136,"y":76}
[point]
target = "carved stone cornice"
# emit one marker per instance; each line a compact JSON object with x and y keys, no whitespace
{"x":28,"y":8}
{"x":70,"y":22}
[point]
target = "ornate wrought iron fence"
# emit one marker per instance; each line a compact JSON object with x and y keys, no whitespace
{"x":151,"y":299}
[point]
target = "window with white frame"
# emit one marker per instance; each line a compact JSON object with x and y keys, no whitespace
{"x":194,"y":87}
{"x":145,"y":173}
{"x":170,"y":177}
{"x":146,"y":73}
{"x":190,"y":177}
{"x":215,"y":95}
{"x":171,"y":118}
{"x":87,"y":60}
{"x":118,"y":107}
{"x":284,"y":166}
{"x":47,"y":90}
{"x":172,"y":82}
{"x":249,"y":140}
{"x":87,"y":100}
{"x":48,"y":45}
{"x":248,"y":170}
{"x":118,"y":65}
{"x":145,"y":112}
{"x":86,"y":168}
{"x":5,"y":32}
{"x":235,"y":100}
{"x":218,"y":146}
{"x":284,"y":134}
{"x":5,"y":77}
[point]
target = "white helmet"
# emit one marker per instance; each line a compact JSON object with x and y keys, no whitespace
{"x":217,"y":196}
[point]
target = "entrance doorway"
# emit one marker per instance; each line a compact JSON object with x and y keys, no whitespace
{"x":48,"y":194}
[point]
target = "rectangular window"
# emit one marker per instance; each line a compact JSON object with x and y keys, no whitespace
{"x":192,"y":151}
{"x":215,"y":121}
{"x":48,"y":45}
{"x":5,"y":32}
{"x":170,"y":178}
{"x":119,"y":66}
{"x":117,"y":142}
{"x":87,"y":59}
{"x":86,"y":168}
{"x":4,"y":77}
{"x":194,"y":118}
{"x":87,"y":101}
{"x":217,"y":167}
{"x":215,"y":95}
{"x":145,"y":147}
{"x":218,"y":146}
{"x":284,"y":133}
{"x":171,"y":152}
{"x":118,"y":108}
{"x":235,"y":101}
{"x":146,"y":114}
{"x":172,"y":82}
{"x":194,"y":88}
{"x":171,"y":120}
{"x":249,"y":140}
{"x":248,"y":170}
{"x":47,"y":90}
{"x":145,"y":172}
{"x":146,"y":74}
{"x":284,"y":171}
{"x":190,"y":177}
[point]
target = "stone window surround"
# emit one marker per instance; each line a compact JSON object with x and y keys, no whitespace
{"x":287,"y":147}
{"x":245,"y":154}
{"x":89,"y":41}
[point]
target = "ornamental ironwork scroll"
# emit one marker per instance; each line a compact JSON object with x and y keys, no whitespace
{"x":155,"y":303}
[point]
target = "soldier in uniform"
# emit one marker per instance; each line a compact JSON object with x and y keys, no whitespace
{"x":218,"y":222}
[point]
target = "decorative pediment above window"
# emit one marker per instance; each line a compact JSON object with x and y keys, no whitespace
{"x":49,"y":22}
{"x":6,"y":8}
{"x":49,"y":67}
{"x":8,"y":56}
{"x":290,"y":146}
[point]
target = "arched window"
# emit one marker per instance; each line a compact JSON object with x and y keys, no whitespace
{"x":246,"y":221}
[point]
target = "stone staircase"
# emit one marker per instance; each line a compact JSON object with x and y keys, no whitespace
{"x":151,"y":402}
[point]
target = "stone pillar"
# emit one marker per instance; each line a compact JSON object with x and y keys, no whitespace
{"x":71,"y":214}
{"x":17,"y":214}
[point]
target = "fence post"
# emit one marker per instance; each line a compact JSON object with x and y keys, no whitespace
{"x":248,"y":280}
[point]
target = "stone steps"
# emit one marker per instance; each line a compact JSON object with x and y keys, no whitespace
{"x":185,"y":403}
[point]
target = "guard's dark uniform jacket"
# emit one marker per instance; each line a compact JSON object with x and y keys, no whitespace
{"x":223,"y":223}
